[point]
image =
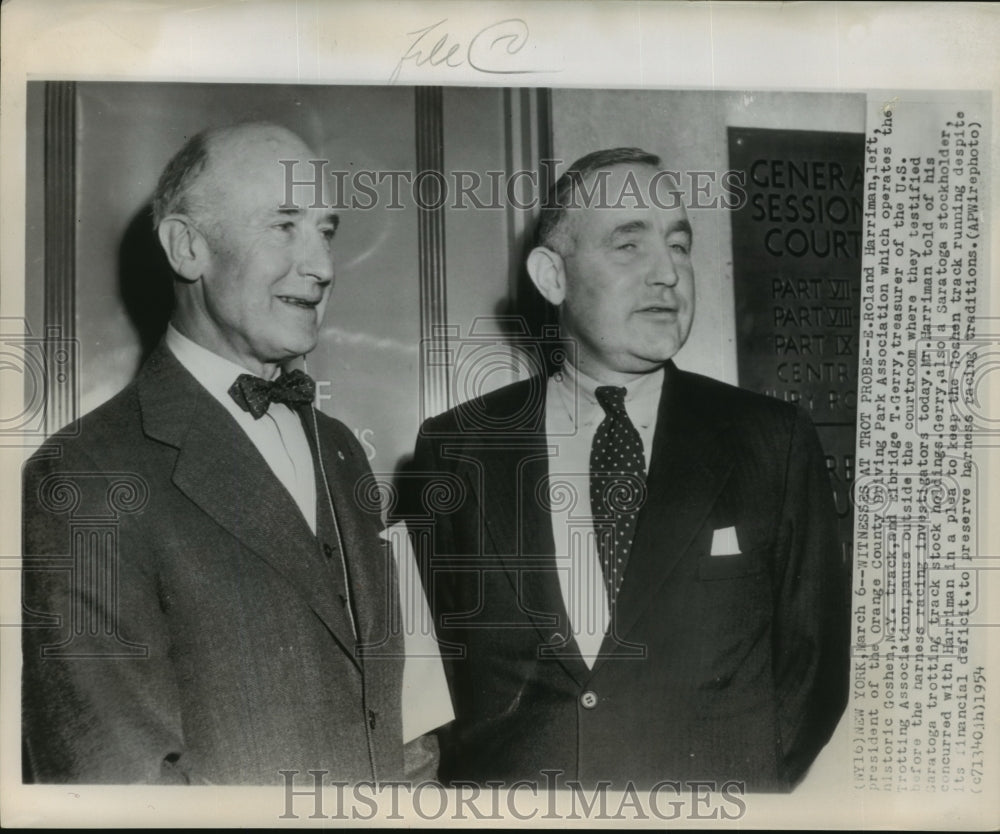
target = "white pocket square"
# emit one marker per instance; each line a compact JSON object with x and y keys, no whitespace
{"x":724,"y":542}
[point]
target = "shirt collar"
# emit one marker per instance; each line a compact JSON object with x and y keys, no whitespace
{"x":577,"y":392}
{"x":215,"y":373}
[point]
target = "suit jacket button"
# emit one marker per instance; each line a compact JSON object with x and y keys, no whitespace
{"x":328,"y":551}
{"x":588,"y":700}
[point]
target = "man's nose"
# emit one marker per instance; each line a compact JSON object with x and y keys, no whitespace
{"x":663,"y":270}
{"x":315,"y":257}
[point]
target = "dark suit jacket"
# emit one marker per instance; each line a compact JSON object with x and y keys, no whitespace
{"x":185,"y":622}
{"x":720,"y":667}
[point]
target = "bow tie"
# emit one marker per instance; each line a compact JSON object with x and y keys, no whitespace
{"x":254,"y":394}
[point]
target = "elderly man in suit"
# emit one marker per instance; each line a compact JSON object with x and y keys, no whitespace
{"x":635,"y":575}
{"x":209,"y":602}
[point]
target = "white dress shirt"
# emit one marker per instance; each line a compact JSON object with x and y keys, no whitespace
{"x":278,"y":435}
{"x":572,"y":415}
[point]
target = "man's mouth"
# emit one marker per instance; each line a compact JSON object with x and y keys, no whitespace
{"x":658,"y":308}
{"x":307,"y":303}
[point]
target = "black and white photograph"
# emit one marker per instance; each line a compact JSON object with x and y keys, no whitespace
{"x":465,"y":435}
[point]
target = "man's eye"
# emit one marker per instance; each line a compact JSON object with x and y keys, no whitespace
{"x":328,"y":233}
{"x":682,"y":247}
{"x":284,"y":226}
{"x":626,"y":247}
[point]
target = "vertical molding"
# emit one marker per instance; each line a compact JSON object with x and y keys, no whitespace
{"x":528,"y":142}
{"x":434,"y":365}
{"x":61,"y":383}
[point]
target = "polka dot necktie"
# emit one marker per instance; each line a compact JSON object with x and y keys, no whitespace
{"x":617,"y":486}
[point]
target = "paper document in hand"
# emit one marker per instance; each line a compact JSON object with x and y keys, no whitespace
{"x":426,"y":700}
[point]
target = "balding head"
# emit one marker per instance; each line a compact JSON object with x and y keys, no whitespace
{"x":254,"y":273}
{"x":192,"y":178}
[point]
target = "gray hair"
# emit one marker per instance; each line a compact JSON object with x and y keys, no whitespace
{"x":552,"y":231}
{"x":173,"y":191}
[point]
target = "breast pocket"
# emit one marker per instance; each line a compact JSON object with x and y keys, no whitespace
{"x":732,"y":565}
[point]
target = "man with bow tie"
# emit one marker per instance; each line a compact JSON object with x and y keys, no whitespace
{"x":230,"y":621}
{"x":639,"y":579}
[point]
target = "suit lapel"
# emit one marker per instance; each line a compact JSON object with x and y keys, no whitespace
{"x":366,"y":563}
{"x":520,"y":529}
{"x":221,"y":471}
{"x":688,"y":468}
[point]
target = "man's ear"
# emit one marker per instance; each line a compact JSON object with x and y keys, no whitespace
{"x":548,"y":273}
{"x":184,"y":246}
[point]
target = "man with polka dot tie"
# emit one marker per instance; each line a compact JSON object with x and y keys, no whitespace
{"x":639,"y":578}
